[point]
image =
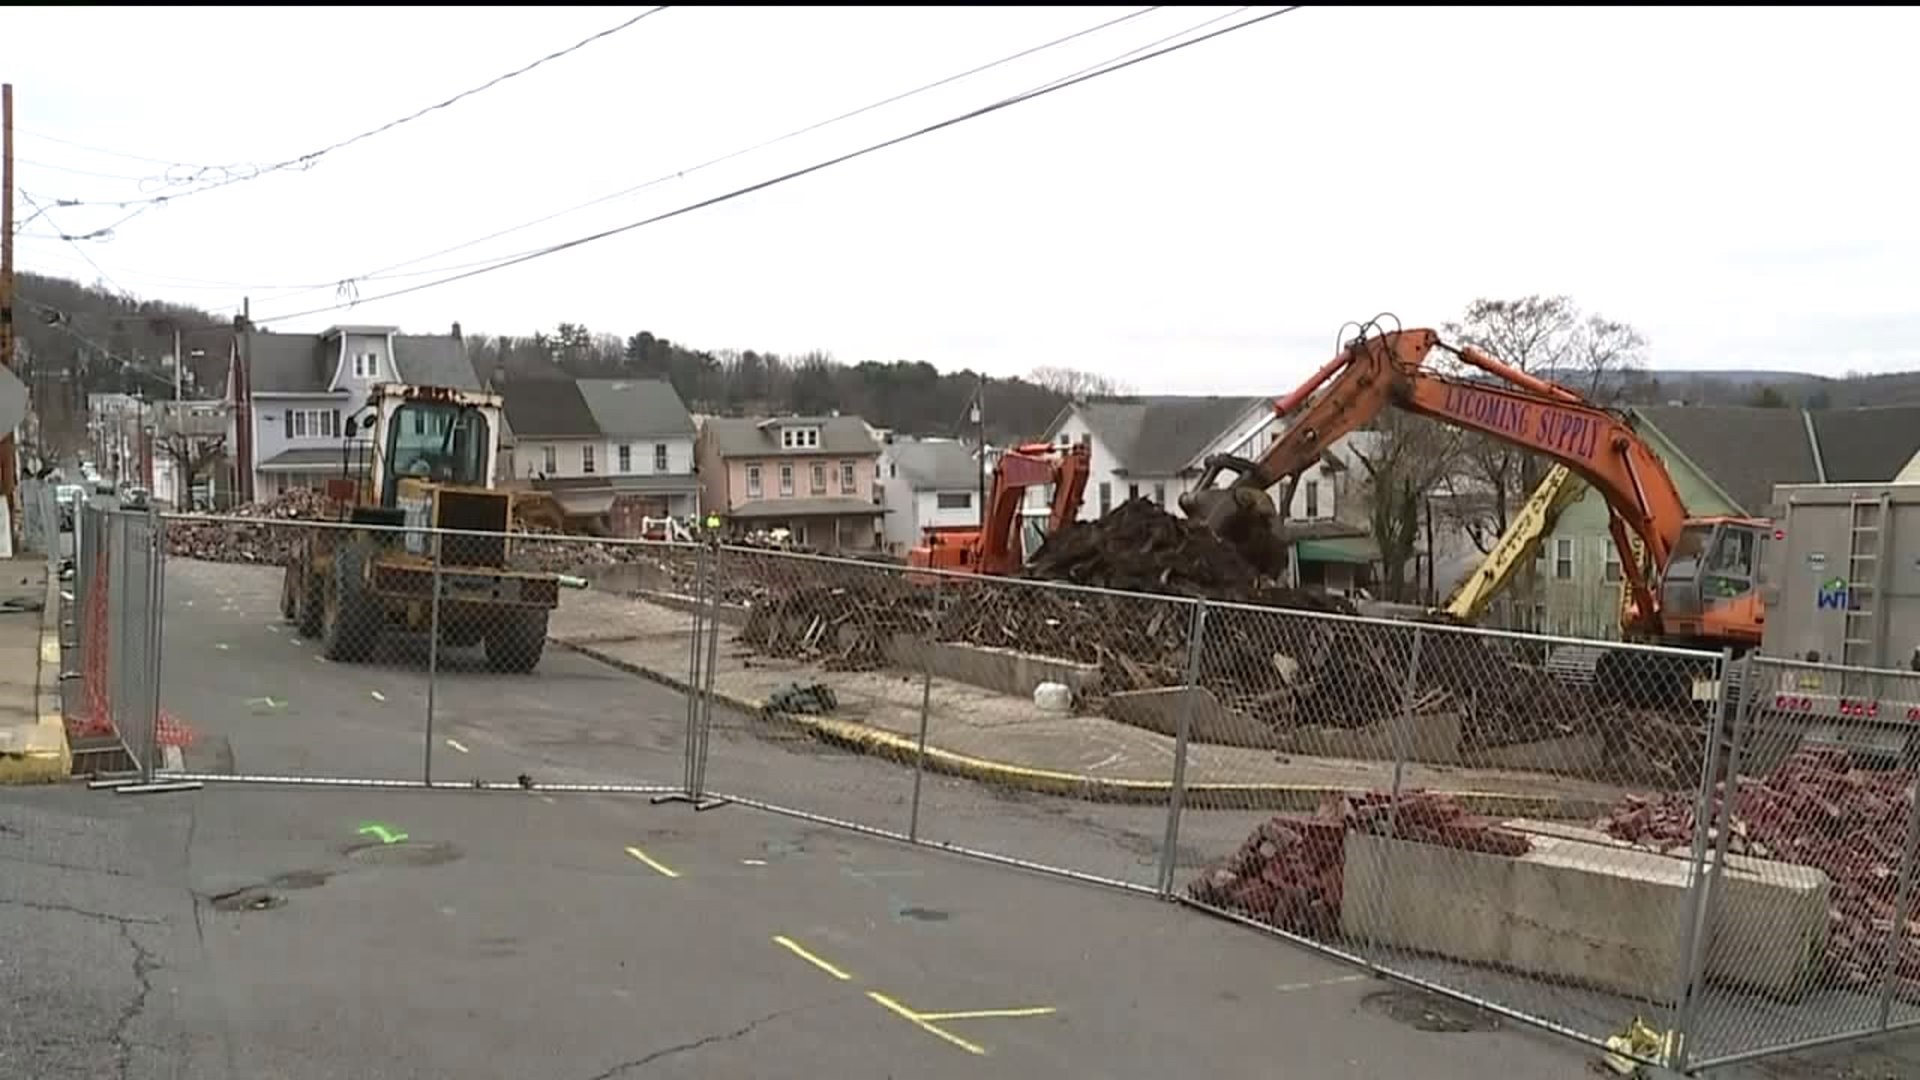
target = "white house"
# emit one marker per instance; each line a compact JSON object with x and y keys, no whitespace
{"x":612,"y":451}
{"x":292,"y":394}
{"x":926,"y":483}
{"x":1156,"y":447}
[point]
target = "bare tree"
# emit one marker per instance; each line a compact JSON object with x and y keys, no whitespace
{"x":1404,"y":458}
{"x":1076,"y":385}
{"x":1549,"y":337}
{"x":192,"y":456}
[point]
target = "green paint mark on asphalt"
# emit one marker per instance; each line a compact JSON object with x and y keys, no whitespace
{"x":386,"y":835}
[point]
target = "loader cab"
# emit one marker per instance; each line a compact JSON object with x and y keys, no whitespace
{"x":432,"y":436}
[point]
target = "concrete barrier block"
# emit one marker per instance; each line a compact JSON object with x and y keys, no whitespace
{"x":1428,"y":738}
{"x":1004,"y":671}
{"x":1208,"y":721}
{"x":1587,"y":912}
{"x":1569,"y":755}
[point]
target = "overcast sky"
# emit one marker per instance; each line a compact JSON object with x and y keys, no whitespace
{"x":1737,"y":182}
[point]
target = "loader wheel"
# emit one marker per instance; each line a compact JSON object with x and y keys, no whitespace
{"x":515,"y":641}
{"x":353,"y":618}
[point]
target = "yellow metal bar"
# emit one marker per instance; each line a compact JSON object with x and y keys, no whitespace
{"x":1517,"y":545}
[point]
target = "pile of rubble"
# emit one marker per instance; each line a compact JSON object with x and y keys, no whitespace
{"x":1265,"y":656}
{"x":1289,"y":872}
{"x":1819,"y":809}
{"x":266,"y":539}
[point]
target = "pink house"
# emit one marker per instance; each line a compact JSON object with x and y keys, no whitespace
{"x":810,"y":475}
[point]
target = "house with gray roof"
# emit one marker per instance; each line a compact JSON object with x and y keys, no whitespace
{"x":292,"y":393}
{"x":926,"y":484}
{"x":810,"y":475}
{"x":1725,"y":459}
{"x":614,"y":453}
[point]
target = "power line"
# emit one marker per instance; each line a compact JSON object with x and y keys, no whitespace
{"x":236,"y":174}
{"x":679,"y":173}
{"x":41,"y":211}
{"x":796,"y":173}
{"x":102,"y":150}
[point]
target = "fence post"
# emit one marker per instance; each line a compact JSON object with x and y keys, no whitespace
{"x":1903,"y":906}
{"x":927,"y":644}
{"x":1692,"y":931}
{"x":1409,"y":696}
{"x":1182,"y":733}
{"x":433,"y":663}
{"x":156,"y":625}
{"x":705,"y":700}
{"x":706,"y":574}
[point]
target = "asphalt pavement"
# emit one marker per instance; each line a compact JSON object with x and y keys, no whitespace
{"x":251,"y":932}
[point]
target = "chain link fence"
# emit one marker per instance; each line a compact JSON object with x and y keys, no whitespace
{"x":1684,"y":860}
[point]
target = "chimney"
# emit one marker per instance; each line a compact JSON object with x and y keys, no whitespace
{"x":456,"y":331}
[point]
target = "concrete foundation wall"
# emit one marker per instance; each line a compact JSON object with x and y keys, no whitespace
{"x":1587,"y":911}
{"x":1003,"y":671}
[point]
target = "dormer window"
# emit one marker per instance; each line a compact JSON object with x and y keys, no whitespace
{"x":366,"y":365}
{"x":800,"y":438}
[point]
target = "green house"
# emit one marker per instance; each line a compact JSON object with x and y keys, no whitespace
{"x":1725,"y":459}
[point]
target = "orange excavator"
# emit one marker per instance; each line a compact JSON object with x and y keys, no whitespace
{"x":1693,"y":584}
{"x":994,"y":548}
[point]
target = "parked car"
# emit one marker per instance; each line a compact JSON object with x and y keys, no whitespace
{"x":69,"y":497}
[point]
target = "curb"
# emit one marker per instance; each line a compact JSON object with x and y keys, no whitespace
{"x":44,"y":756}
{"x":871,"y":741}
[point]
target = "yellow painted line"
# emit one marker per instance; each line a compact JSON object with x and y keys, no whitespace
{"x":376,"y":695}
{"x":923,"y":1023}
{"x":655,"y":864}
{"x":455,"y":743}
{"x":800,"y":951}
{"x":1340,"y":980}
{"x":221,"y":645}
{"x":990,"y":1014}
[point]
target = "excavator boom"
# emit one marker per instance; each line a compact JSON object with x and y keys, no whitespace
{"x":1389,"y":369}
{"x":1516,"y":546}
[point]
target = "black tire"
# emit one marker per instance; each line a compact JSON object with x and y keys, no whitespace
{"x":353,"y":618}
{"x":289,"y":592}
{"x":515,"y":641}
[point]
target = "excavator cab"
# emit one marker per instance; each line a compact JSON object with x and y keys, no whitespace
{"x":1709,"y":591}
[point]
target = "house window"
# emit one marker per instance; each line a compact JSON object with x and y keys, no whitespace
{"x":586,"y":459}
{"x":846,"y":478}
{"x":753,"y":481}
{"x":659,"y":457}
{"x":1133,"y":491}
{"x":1313,"y":498}
{"x":1160,"y":494}
{"x":800,"y":438}
{"x":1613,"y":573}
{"x":312,"y":423}
{"x":366,"y":365}
{"x":786,"y":480}
{"x":953,"y":500}
{"x":893,"y":471}
{"x":1106,"y":497}
{"x":626,"y":457}
{"x":1563,"y":559}
{"x":819,"y":479}
{"x":549,"y":460}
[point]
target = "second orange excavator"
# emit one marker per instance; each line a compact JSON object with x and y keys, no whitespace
{"x":1692,"y":583}
{"x":994,"y":547}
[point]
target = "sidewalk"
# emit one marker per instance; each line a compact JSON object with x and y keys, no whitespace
{"x":1007,"y":741}
{"x":33,"y":736}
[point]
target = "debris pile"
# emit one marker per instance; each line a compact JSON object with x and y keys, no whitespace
{"x":1289,"y":873}
{"x":1816,"y":809}
{"x":843,"y":628}
{"x":265,"y":539}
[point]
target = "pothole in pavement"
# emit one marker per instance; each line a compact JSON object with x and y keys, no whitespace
{"x":251,"y":898}
{"x":405,"y":853}
{"x":301,"y":879}
{"x":1428,"y":1012}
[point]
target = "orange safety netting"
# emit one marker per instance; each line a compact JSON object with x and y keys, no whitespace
{"x":95,"y":716}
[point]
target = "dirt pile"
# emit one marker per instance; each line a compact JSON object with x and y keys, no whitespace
{"x":1817,"y":809}
{"x":1290,"y":872}
{"x":1138,"y":547}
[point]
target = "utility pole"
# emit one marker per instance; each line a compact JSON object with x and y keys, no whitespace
{"x":9,"y":468}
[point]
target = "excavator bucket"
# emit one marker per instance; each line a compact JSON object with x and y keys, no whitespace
{"x":1246,"y":519}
